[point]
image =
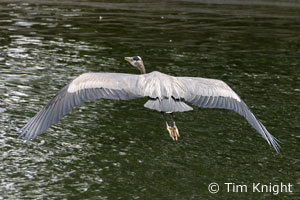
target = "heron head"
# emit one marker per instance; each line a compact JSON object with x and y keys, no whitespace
{"x":137,"y":62}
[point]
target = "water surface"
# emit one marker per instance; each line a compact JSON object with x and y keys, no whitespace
{"x":119,"y":150}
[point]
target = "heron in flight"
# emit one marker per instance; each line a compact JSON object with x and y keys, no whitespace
{"x":166,"y":94}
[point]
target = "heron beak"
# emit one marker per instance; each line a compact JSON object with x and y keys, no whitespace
{"x":128,"y":59}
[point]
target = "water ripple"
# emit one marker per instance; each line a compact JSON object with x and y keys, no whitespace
{"x":113,"y":149}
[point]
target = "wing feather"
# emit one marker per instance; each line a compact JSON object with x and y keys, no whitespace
{"x":86,"y":87}
{"x":211,"y":93}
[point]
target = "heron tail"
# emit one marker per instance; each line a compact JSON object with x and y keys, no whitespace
{"x":167,"y":105}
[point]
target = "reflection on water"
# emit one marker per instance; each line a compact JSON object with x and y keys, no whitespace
{"x":112,"y":149}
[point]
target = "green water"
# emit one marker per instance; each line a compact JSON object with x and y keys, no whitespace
{"x":120,"y":150}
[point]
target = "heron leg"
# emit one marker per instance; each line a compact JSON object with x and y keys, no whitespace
{"x":175,"y":129}
{"x":169,"y":128}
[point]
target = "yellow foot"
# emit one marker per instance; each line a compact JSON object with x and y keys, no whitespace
{"x":170,"y":130}
{"x":173,"y":132}
{"x":176,"y":132}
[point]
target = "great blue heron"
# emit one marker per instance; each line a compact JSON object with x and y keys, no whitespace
{"x":164,"y":92}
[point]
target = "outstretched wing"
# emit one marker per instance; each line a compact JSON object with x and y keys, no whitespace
{"x":211,"y":93}
{"x":88,"y":86}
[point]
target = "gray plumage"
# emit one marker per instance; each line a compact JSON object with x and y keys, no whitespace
{"x":165,"y":94}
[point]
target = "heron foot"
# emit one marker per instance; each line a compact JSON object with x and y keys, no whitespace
{"x":173,"y":132}
{"x":176,"y":132}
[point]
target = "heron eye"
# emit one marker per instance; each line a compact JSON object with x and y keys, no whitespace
{"x":136,"y":58}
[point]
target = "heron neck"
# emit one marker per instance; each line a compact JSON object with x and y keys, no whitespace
{"x":142,"y":68}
